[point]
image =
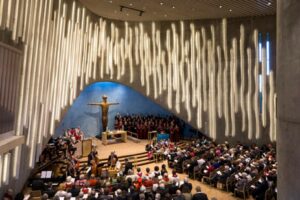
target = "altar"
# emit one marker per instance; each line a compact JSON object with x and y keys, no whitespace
{"x":106,"y":134}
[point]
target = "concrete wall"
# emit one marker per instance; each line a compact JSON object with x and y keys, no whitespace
{"x":287,"y":84}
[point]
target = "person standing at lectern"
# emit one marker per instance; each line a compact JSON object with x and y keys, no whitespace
{"x":92,"y":156}
{"x":104,"y":107}
{"x":112,"y":159}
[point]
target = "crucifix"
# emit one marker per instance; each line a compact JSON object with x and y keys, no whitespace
{"x":104,"y":107}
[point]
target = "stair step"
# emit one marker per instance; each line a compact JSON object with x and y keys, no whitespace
{"x":139,"y":159}
{"x":134,"y":139}
{"x":122,"y":162}
{"x":145,"y":162}
{"x":85,"y":159}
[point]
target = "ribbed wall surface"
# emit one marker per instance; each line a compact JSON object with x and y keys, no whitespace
{"x":197,"y":70}
{"x":10,"y":59}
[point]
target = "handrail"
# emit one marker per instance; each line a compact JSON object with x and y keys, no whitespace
{"x":9,"y":141}
{"x":132,"y":134}
{"x":12,"y":48}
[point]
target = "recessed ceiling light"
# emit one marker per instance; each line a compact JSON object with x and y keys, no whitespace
{"x":110,"y":1}
{"x":130,"y":4}
{"x":269,"y":3}
{"x":127,"y":14}
{"x":220,"y":6}
{"x":173,"y":6}
{"x":161,"y":3}
{"x":166,"y":15}
{"x":230,"y":10}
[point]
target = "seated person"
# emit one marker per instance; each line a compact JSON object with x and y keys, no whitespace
{"x":139,"y":172}
{"x":186,"y":187}
{"x":38,"y":185}
{"x":50,"y":190}
{"x":82,"y":182}
{"x":199,"y":195}
{"x":131,"y":175}
{"x":163,"y":169}
{"x":259,"y":188}
{"x":178,"y":195}
{"x":69,"y":183}
{"x":156,"y":173}
{"x":241,"y":181}
{"x":92,"y":181}
{"x":173,"y":187}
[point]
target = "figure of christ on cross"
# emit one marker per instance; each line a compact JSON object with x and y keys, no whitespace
{"x":104,"y":107}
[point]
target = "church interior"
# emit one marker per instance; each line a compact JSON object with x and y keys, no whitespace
{"x":154,"y":100}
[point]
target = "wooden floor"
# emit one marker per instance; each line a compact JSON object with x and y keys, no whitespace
{"x":121,"y":148}
{"x":131,"y":147}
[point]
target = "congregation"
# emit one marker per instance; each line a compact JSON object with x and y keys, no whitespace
{"x":239,"y":168}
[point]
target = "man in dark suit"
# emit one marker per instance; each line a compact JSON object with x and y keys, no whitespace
{"x":186,"y":187}
{"x":38,"y":184}
{"x":199,"y":195}
{"x":128,"y":166}
{"x":50,"y":190}
{"x":92,"y":156}
{"x":173,"y":187}
{"x":74,"y":191}
{"x":112,"y":159}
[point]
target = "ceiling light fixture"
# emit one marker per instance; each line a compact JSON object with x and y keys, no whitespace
{"x":230,"y":10}
{"x":220,"y":6}
{"x":269,"y":3}
{"x":161,"y":3}
{"x":134,"y":9}
{"x":110,"y":1}
{"x":130,"y":4}
{"x":173,"y":7}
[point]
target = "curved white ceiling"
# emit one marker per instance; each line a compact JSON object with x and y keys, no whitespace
{"x":179,"y":9}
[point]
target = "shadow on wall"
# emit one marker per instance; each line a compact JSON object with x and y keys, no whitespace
{"x":88,"y":117}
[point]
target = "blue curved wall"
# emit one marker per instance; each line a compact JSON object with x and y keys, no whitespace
{"x":88,"y":117}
